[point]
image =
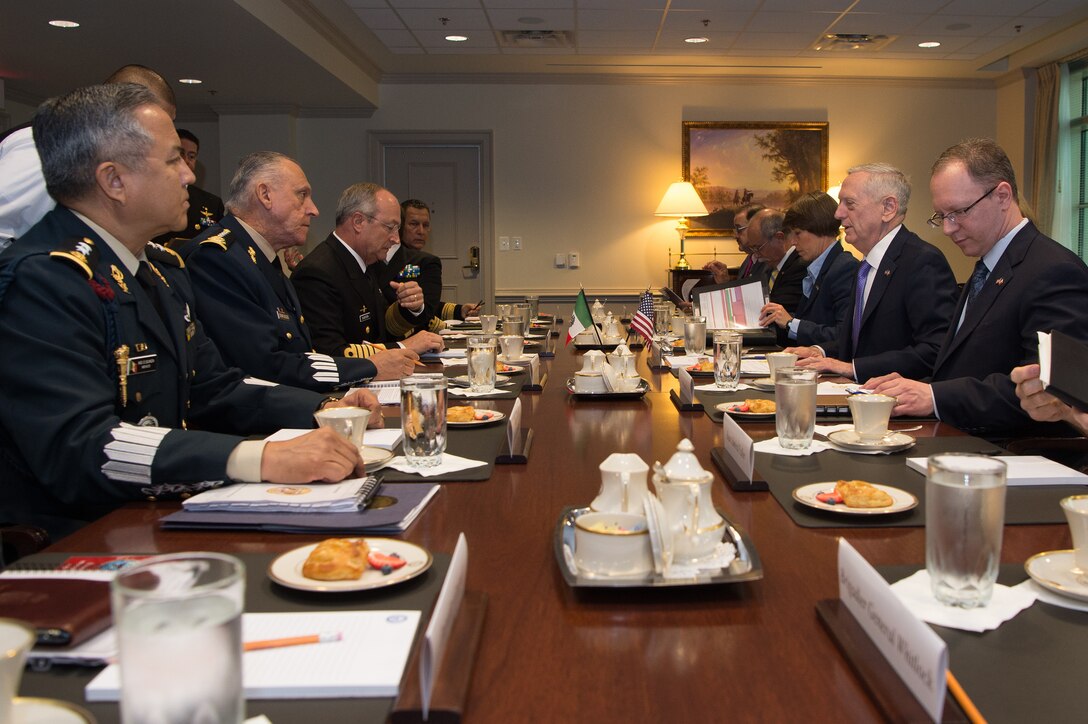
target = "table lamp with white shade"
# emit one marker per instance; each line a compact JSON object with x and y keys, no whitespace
{"x":682,"y":201}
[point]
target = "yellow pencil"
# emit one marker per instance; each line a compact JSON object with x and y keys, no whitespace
{"x":292,"y":641}
{"x":973,"y":714}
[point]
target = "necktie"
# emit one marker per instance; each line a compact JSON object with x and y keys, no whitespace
{"x":774,"y":275}
{"x":859,"y":301}
{"x":977,"y":280}
{"x":746,"y":267}
{"x":149,"y":281}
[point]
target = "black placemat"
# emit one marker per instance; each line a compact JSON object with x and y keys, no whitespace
{"x":1023,"y":505}
{"x":826,"y":412}
{"x":262,"y":595}
{"x":1031,"y":668}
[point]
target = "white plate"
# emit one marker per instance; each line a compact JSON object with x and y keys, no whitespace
{"x":1053,"y":571}
{"x":515,"y":366}
{"x":725,"y":407}
{"x":901,"y":500}
{"x":491,"y":416}
{"x":286,"y":570}
{"x":766,"y":384}
{"x":892,"y":442}
{"x":463,"y":381}
{"x":375,"y":458}
{"x":34,"y":710}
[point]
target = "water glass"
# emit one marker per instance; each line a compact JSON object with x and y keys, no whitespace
{"x":481,"y":363}
{"x":695,"y":336}
{"x":513,"y":347}
{"x":524,"y":311}
{"x":727,"y":356}
{"x":662,"y":319}
{"x":965,"y":517}
{"x":179,"y":629}
{"x":350,"y":422}
{"x":676,"y":322}
{"x":795,"y":414}
{"x":514,"y":324}
{"x":534,"y":306}
{"x":423,"y":418}
{"x":489,"y":323}
{"x":16,"y":638}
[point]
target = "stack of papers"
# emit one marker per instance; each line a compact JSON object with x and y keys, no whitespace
{"x":1026,"y":470}
{"x":279,"y":498}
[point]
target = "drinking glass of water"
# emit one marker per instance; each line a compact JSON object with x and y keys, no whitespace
{"x":727,"y":355}
{"x":482,"y":351}
{"x":423,"y":418}
{"x":795,"y":414}
{"x":179,"y":629}
{"x":695,"y":336}
{"x":965,"y":517}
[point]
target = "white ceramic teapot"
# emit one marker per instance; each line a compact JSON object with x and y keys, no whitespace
{"x":612,"y":330}
{"x":684,"y":489}
{"x":622,"y":360}
{"x":596,"y":312}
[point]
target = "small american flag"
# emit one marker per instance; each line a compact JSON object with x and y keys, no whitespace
{"x":643,"y":321}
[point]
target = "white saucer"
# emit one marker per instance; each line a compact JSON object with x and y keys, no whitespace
{"x":892,"y":442}
{"x":34,"y":710}
{"x":375,"y":458}
{"x":1054,"y":571}
{"x":766,"y":384}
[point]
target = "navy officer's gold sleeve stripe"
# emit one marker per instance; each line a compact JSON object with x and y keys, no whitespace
{"x":449,"y":310}
{"x":395,"y":324}
{"x":363,"y":350}
{"x":435,"y":325}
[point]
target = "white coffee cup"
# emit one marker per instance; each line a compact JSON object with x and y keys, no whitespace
{"x":16,"y":638}
{"x":871,"y":414}
{"x":350,"y":422}
{"x":513,"y":346}
{"x":588,"y":382}
{"x":612,"y":544}
{"x":1076,"y":513}
{"x":777,"y":360}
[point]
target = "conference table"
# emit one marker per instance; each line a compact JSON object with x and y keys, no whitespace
{"x":549,"y":652}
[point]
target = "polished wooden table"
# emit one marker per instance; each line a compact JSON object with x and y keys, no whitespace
{"x":752,"y":651}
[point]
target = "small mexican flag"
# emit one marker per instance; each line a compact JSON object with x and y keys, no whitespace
{"x":581,"y":319}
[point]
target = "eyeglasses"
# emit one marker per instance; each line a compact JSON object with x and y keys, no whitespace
{"x":391,"y":226}
{"x":938,"y":219}
{"x":741,"y":228}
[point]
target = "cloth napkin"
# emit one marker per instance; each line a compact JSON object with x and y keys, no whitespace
{"x":449,"y":464}
{"x":834,"y":388}
{"x":714,"y":388}
{"x":915,"y":594}
{"x":465,"y":392}
{"x":724,"y":554}
{"x":1052,"y":598}
{"x":772,"y":446}
{"x":454,"y":361}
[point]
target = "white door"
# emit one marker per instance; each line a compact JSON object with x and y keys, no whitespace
{"x":446,"y":172}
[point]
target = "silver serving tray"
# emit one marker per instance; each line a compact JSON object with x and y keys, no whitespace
{"x":637,"y":393}
{"x":745,"y":567}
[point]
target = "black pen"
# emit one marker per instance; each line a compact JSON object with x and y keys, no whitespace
{"x":370,"y":489}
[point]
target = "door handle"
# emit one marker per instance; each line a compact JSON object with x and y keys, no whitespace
{"x":473,"y":258}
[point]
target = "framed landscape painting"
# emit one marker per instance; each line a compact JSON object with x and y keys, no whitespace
{"x":736,"y":164}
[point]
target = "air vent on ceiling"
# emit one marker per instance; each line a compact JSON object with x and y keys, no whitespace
{"x":536,"y":39}
{"x":852,"y":41}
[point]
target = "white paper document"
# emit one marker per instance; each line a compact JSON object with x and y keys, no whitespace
{"x":275,"y":497}
{"x":733,"y":307}
{"x":387,"y":438}
{"x":1025,"y":470}
{"x":368,"y":661}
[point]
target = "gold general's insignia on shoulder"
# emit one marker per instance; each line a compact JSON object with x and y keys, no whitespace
{"x":219,"y":240}
{"x":119,"y":278}
{"x":79,"y":252}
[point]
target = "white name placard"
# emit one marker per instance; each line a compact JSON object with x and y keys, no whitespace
{"x":687,"y":387}
{"x":738,"y":446}
{"x":916,"y":653}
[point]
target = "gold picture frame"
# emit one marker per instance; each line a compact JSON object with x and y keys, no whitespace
{"x":733,"y":164}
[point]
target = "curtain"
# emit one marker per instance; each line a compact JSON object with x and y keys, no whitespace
{"x":1047,"y":136}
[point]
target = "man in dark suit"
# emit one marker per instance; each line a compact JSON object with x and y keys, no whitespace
{"x":811,"y":226}
{"x":408,"y":261}
{"x":339,"y":282}
{"x":205,"y":208}
{"x":111,"y":389}
{"x":249,"y":306}
{"x":751,"y":266}
{"x":906,"y":294}
{"x":1023,"y":283}
{"x":786,"y":268}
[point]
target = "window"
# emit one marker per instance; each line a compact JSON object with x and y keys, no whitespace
{"x":1077,"y":89}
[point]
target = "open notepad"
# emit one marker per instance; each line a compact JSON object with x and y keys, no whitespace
{"x":387,"y":391}
{"x":367,"y":662}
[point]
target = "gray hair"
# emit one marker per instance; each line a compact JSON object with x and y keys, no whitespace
{"x":252,"y":169}
{"x":770,"y":223}
{"x":886,"y":180}
{"x":361,"y":197}
{"x":76,"y":132}
{"x":986,"y":162}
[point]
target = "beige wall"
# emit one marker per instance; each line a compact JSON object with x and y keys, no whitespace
{"x":582,"y":167}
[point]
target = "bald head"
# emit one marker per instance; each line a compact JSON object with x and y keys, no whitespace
{"x":142,"y":75}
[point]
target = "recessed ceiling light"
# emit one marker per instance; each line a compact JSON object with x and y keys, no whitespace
{"x":929,"y":44}
{"x":457,"y":38}
{"x":64,"y":23}
{"x":190,"y":81}
{"x":697,"y":40}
